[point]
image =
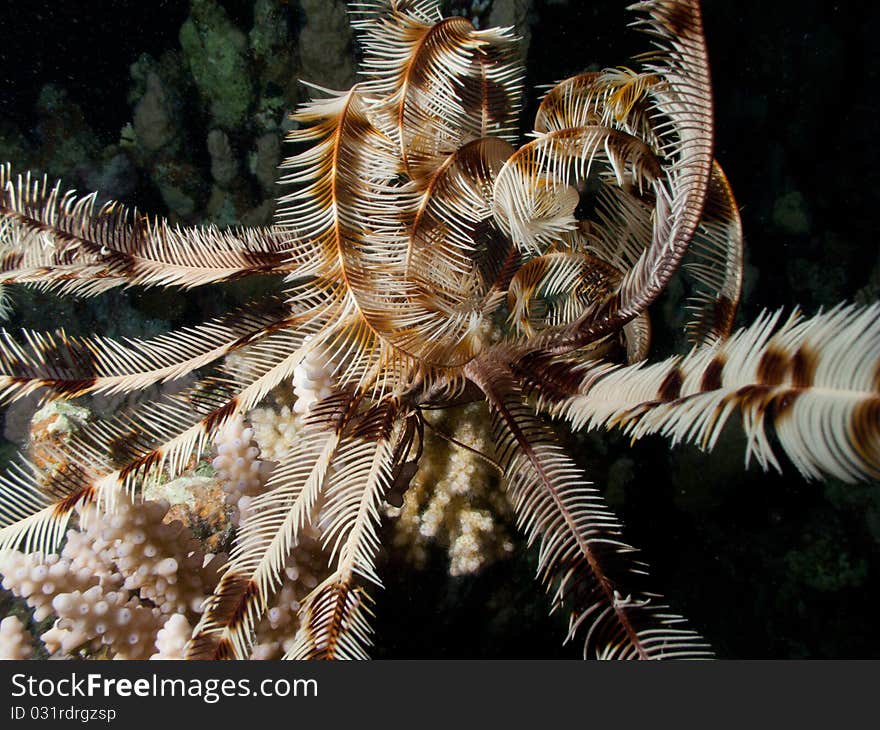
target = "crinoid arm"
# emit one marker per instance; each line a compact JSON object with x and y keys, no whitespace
{"x":63,"y":366}
{"x":439,"y":83}
{"x":583,"y":559}
{"x":267,"y":536}
{"x":603,"y":119}
{"x":715,"y":263}
{"x":334,"y":616}
{"x":815,"y":380}
{"x":113,"y":456}
{"x":55,"y":240}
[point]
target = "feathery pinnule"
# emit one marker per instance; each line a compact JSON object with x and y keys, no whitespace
{"x":334,"y":623}
{"x":439,"y":83}
{"x":54,"y":240}
{"x":266,"y":537}
{"x":582,"y":557}
{"x":811,"y":378}
{"x":715,"y":261}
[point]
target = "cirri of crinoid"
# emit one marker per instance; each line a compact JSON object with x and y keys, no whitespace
{"x":424,"y":262}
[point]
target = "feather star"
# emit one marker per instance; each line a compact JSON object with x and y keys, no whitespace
{"x":428,"y":261}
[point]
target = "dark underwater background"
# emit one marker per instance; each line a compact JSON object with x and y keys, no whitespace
{"x":764,"y":566}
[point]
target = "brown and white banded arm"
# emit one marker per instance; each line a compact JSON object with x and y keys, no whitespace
{"x":816,"y":380}
{"x":583,"y":559}
{"x":58,"y":241}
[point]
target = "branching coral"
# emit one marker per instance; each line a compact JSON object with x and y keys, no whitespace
{"x":456,"y":499}
{"x":115,"y":582}
{"x":171,"y":639}
{"x":14,"y":639}
{"x":241,"y":473}
{"x":131,"y":584}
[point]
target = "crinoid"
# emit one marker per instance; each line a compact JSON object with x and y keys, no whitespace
{"x":428,"y":262}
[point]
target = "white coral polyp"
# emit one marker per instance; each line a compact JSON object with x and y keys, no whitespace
{"x":451,"y":501}
{"x":116,"y":581}
{"x":162,"y":563}
{"x":172,"y":638}
{"x":93,"y":618}
{"x":275,"y":430}
{"x":239,"y":469}
{"x":312,"y":380}
{"x":15,"y":642}
{"x":38,"y":579}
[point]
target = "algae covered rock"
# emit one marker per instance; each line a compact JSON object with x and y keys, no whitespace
{"x":216,"y":51}
{"x":326,"y":44}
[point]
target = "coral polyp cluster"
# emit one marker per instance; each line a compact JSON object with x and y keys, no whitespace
{"x":131,"y":584}
{"x":115,"y":583}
